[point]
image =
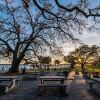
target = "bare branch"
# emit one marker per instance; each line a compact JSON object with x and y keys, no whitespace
{"x":8,"y":46}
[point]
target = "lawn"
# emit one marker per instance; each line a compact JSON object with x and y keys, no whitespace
{"x":52,"y":69}
{"x":91,"y":68}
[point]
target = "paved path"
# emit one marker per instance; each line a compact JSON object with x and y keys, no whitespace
{"x":79,"y":89}
{"x":28,"y":90}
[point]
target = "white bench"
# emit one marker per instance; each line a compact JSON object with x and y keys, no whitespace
{"x":8,"y":86}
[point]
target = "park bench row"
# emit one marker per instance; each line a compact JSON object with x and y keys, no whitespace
{"x":94,"y":84}
{"x":93,"y":74}
{"x":8,"y":84}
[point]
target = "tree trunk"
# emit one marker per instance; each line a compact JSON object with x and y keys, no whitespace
{"x":15,"y":66}
{"x":15,"y":63}
{"x":82,"y":65}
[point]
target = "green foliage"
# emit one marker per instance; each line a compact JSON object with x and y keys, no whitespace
{"x":44,"y":60}
{"x":83,"y":55}
{"x":91,"y":68}
{"x":56,"y":61}
{"x":69,"y":58}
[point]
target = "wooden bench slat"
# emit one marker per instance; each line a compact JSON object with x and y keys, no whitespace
{"x":53,"y":85}
{"x":90,"y":81}
{"x":5,"y":79}
{"x":52,"y":80}
{"x":4,"y":84}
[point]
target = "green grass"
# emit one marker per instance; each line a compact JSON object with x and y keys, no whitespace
{"x":53,"y":69}
{"x":91,"y":68}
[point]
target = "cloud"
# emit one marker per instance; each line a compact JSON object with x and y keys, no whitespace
{"x":68,"y":47}
{"x":89,"y":38}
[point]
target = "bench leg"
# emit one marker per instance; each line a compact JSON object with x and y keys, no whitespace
{"x":63,"y":91}
{"x":91,"y":85}
{"x":42,"y":91}
{"x":62,"y":81}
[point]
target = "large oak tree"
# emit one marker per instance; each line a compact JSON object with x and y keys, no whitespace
{"x":29,"y":26}
{"x":82,"y":55}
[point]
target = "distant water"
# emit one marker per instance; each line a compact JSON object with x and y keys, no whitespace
{"x":5,"y":67}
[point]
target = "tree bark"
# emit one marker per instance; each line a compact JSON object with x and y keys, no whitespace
{"x":15,"y":63}
{"x":82,"y":65}
{"x":15,"y":66}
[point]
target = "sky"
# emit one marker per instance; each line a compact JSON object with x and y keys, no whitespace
{"x":87,"y":37}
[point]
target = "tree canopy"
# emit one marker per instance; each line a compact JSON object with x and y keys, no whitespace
{"x":29,"y":27}
{"x":56,"y":61}
{"x":83,"y":55}
{"x":44,"y":60}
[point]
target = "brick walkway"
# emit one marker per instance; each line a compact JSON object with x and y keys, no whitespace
{"x":28,"y":90}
